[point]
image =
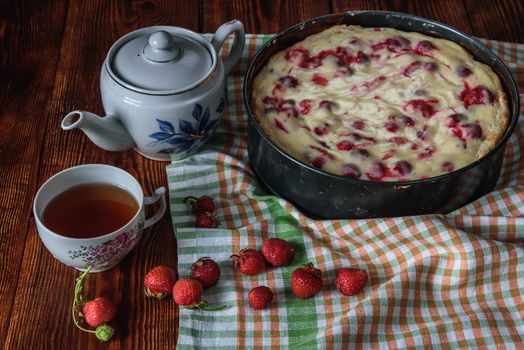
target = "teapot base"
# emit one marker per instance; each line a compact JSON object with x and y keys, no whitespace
{"x":166,"y":157}
{"x":162,"y":158}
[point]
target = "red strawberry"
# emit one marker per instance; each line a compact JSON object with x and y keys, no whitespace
{"x":204,"y":208}
{"x":206,"y":271}
{"x":206,"y":220}
{"x":306,"y":281}
{"x":479,"y":95}
{"x":463,"y":71}
{"x":447,"y":166}
{"x":378,"y":171}
{"x":397,"y":43}
{"x":318,"y":162}
{"x":289,"y":81}
{"x":321,"y":130}
{"x":402,"y":168}
{"x":412,"y":67}
{"x":320,"y":80}
{"x":351,"y":170}
{"x":424,"y":48}
{"x":249,"y":261}
{"x":326,"y":104}
{"x":188,"y":292}
{"x":454,"y":119}
{"x":467,"y":131}
{"x":426,"y":153}
{"x":351,"y":281}
{"x":99,"y":311}
{"x":424,"y":107}
{"x":345,"y":146}
{"x":298,"y":56}
{"x":391,"y":126}
{"x":206,"y":204}
{"x":260,"y":297}
{"x":278,"y":252}
{"x":305,"y":106}
{"x":202,"y":204}
{"x":281,"y":126}
{"x":159,"y":281}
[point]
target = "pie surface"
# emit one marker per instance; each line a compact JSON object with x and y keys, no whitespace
{"x":380,"y":104}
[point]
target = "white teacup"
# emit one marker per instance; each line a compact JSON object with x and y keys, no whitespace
{"x":102,"y":252}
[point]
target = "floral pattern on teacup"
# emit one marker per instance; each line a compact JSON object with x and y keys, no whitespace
{"x":190,"y":135}
{"x":110,"y":251}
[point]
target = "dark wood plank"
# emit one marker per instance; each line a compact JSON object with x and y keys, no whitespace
{"x":30,"y":36}
{"x":498,"y":20}
{"x":261,"y":16}
{"x":451,"y":12}
{"x":44,"y":293}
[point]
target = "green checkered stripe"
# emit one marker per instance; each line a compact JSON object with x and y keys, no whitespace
{"x":446,"y":281}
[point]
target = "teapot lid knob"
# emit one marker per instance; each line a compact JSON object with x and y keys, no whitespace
{"x":161,"y":47}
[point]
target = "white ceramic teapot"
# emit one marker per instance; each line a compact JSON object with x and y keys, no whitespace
{"x":163,"y":91}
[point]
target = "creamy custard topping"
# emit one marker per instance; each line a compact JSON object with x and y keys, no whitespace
{"x":380,"y":104}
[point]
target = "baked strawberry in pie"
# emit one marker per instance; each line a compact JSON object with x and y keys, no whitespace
{"x":381,"y":105}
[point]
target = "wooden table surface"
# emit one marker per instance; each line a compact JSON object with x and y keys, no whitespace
{"x":50,"y":57}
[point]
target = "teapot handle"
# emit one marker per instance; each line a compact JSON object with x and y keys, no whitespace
{"x":236,"y":27}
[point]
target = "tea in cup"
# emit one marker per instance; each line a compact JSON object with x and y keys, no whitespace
{"x":93,"y":214}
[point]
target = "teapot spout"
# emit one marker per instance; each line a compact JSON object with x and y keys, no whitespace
{"x":107,"y":132}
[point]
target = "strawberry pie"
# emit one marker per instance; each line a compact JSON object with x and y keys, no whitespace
{"x":380,"y":104}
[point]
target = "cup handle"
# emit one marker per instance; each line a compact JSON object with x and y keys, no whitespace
{"x":236,"y":27}
{"x":158,"y":195}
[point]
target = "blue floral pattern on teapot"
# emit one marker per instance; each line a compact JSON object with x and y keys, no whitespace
{"x":190,"y":135}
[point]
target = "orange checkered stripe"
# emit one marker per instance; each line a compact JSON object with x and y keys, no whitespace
{"x":452,"y":281}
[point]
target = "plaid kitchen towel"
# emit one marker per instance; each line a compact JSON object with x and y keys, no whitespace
{"x":449,"y":281}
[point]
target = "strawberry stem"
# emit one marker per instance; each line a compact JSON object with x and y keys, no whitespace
{"x":103,"y":332}
{"x":77,"y":299}
{"x":212,"y":308}
{"x":203,"y":305}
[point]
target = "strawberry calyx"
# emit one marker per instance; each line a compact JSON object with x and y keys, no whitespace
{"x":199,"y":262}
{"x":203,"y":305}
{"x":191,"y":201}
{"x":202,"y":204}
{"x":235,"y":259}
{"x":151,"y":294}
{"x":103,"y":332}
{"x":309,"y":267}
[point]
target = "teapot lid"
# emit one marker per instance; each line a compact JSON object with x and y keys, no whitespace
{"x":161,"y":60}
